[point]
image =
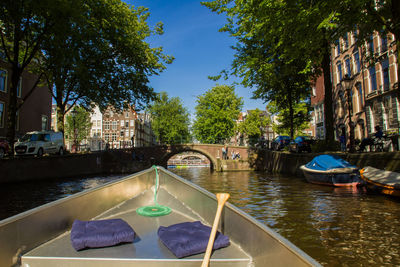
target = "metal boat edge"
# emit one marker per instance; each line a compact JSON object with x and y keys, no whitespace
{"x":23,"y":232}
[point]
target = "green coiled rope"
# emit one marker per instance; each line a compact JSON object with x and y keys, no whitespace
{"x":156,"y":209}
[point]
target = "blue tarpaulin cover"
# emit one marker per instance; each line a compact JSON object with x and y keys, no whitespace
{"x":101,"y":233}
{"x":189,"y":238}
{"x":328,"y":162}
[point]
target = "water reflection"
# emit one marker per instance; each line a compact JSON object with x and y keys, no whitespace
{"x":336,"y":226}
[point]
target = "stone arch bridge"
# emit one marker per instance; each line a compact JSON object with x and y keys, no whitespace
{"x":162,"y":153}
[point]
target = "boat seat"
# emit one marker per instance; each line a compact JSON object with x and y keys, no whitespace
{"x":146,"y":250}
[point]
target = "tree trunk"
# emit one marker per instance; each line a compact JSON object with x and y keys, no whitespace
{"x":328,"y":109}
{"x":60,"y":118}
{"x":291,"y":113}
{"x":12,"y":107}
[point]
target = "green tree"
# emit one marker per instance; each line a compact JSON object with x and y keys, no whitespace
{"x":288,"y":31}
{"x":253,"y":125}
{"x":78,"y":124}
{"x":170,"y":120}
{"x":285,"y":126}
{"x":99,"y":56}
{"x":216,"y":113}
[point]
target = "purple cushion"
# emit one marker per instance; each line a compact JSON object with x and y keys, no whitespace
{"x":102,"y":233}
{"x":189,"y":238}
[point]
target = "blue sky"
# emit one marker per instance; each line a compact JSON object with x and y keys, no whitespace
{"x":191,"y":35}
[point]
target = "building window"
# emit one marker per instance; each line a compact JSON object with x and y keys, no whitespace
{"x":345,"y":41}
{"x":98,"y":123}
{"x":127,"y":115}
{"x":122,"y":133}
{"x":2,"y":108}
{"x":107,"y":137}
{"x":114,"y":125}
{"x":360,"y":96}
{"x":126,"y":124}
{"x":132,"y":123}
{"x":106,"y":125}
{"x":131,"y":132}
{"x":348,"y":68}
{"x":122,"y":123}
{"x":3,"y":81}
{"x":45,"y":121}
{"x":339,"y":71}
{"x":385,"y":74}
{"x":337,"y":43}
{"x":357,"y":61}
{"x":372,"y":79}
{"x":371,"y":119}
{"x":114,"y":137}
{"x":371,"y":45}
{"x":383,"y":42}
{"x":19,"y":87}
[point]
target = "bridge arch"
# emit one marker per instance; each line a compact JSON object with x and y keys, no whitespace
{"x":185,"y":148}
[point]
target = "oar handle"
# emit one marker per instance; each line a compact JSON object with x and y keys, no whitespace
{"x":221,"y":198}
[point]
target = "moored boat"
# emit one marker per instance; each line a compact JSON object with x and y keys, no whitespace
{"x":331,"y":170}
{"x":385,"y":182}
{"x":42,"y":236}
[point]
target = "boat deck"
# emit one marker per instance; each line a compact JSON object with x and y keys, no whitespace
{"x":382,"y":177}
{"x":146,"y":250}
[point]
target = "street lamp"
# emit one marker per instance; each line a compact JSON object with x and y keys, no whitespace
{"x":347,"y":84}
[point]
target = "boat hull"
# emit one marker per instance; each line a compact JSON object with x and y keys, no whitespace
{"x":41,"y":237}
{"x":384,"y":182}
{"x":337,"y":178}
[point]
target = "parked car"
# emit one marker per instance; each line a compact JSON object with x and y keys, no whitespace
{"x":280,"y":142}
{"x":301,"y":143}
{"x":39,"y":143}
{"x":4,"y":148}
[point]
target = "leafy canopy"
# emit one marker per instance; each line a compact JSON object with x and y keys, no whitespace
{"x":78,"y":125}
{"x":170,"y":120}
{"x":301,"y":119}
{"x":216,"y":113}
{"x":254,"y":124}
{"x":100,"y":56}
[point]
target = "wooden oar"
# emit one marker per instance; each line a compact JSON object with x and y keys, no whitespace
{"x":222,"y":198}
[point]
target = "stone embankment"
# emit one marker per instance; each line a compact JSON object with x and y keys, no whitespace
{"x":67,"y":166}
{"x":289,"y":163}
{"x":120,"y":162}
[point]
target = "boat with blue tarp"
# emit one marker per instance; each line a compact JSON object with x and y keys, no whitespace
{"x":331,"y":170}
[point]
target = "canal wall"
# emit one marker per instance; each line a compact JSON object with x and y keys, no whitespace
{"x":233,"y":165}
{"x":289,"y":163}
{"x":67,"y":166}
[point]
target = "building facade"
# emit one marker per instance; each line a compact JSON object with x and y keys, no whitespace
{"x":35,"y":113}
{"x":317,"y":103}
{"x":372,"y":99}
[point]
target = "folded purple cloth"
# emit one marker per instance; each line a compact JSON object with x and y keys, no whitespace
{"x":189,"y":238}
{"x":102,"y":233}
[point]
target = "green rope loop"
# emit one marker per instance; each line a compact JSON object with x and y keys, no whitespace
{"x":156,"y":209}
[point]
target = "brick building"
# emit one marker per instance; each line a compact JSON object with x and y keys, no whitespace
{"x":317,"y":103}
{"x":373,"y":98}
{"x":35,"y":113}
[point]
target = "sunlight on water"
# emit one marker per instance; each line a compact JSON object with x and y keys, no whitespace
{"x":335,"y":226}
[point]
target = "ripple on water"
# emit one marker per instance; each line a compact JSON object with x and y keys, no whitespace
{"x":335,"y":226}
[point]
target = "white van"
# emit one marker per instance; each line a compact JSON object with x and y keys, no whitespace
{"x":39,"y":143}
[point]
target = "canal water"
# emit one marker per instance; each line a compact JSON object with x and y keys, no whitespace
{"x":335,"y":226}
